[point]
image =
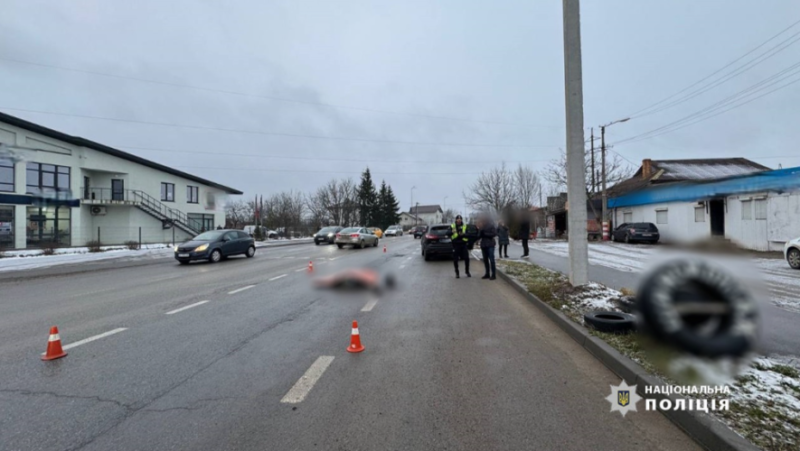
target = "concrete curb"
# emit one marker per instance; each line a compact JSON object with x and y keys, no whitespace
{"x":291,"y":243}
{"x":704,"y":429}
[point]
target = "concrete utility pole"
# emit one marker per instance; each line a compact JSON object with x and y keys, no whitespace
{"x":594,"y":183}
{"x":605,"y":224}
{"x":576,"y":164}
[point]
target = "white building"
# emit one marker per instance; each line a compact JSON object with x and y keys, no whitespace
{"x":731,"y":198}
{"x":94,"y":190}
{"x":408,"y":220}
{"x":428,"y":214}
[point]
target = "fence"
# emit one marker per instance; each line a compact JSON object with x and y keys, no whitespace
{"x":109,"y":235}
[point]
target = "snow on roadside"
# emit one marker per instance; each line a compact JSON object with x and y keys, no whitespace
{"x":45,"y":261}
{"x":75,"y":250}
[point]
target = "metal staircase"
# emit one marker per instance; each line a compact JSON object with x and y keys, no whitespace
{"x":169,"y":217}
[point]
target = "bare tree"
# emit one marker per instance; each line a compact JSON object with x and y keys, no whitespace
{"x":317,"y":205}
{"x":494,"y":190}
{"x":527,"y":188}
{"x":449,"y":215}
{"x":237,"y":214}
{"x":616,"y":171}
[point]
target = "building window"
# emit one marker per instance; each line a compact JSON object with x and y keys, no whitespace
{"x":761,"y":209}
{"x":193,"y":194}
{"x":167,"y":192}
{"x":6,"y":175}
{"x":747,"y":210}
{"x":627,"y":217}
{"x":699,"y":214}
{"x":48,"y":226}
{"x":42,"y":178}
{"x":661,"y":216}
{"x":6,"y":226}
{"x":201,"y":222}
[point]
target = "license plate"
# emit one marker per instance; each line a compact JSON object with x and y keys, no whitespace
{"x":184,"y":255}
{"x":647,"y":234}
{"x":446,"y":240}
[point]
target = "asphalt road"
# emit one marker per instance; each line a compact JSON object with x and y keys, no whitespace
{"x":451,"y":364}
{"x":780,"y":334}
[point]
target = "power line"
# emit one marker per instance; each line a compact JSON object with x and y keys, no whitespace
{"x":265,"y":97}
{"x":289,"y":135}
{"x":635,"y":114}
{"x":291,"y":157}
{"x":304,"y":171}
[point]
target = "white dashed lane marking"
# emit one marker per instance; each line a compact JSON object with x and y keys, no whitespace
{"x":239,"y":290}
{"x":172,"y":312}
{"x":304,"y":385}
{"x":370,"y":305}
{"x":277,"y":277}
{"x":91,"y":339}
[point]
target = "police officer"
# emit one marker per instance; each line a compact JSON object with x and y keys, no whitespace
{"x":458,"y":234}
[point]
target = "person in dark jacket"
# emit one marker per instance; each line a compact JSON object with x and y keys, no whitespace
{"x":458,"y":235}
{"x":502,"y":239}
{"x":524,"y":232}
{"x":487,"y":233}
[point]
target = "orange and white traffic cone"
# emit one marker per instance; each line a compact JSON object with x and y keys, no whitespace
{"x":384,"y":249}
{"x":355,"y":340}
{"x":54,"y":350}
{"x":310,"y":267}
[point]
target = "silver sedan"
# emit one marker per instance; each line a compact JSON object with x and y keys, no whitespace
{"x":358,"y":237}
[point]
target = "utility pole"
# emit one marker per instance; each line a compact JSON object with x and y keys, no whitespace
{"x":576,"y":164}
{"x":604,"y":218}
{"x":594,"y":183}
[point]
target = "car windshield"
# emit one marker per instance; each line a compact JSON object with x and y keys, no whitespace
{"x":440,"y":230}
{"x":350,"y":230}
{"x":210,"y":236}
{"x":327,"y":230}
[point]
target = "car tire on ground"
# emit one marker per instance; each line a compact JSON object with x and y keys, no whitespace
{"x":426,"y":256}
{"x":316,"y":242}
{"x":340,"y":246}
{"x":251,"y":251}
{"x":215,"y":257}
{"x":627,"y":239}
{"x":611,"y":322}
{"x":183,"y":262}
{"x":376,"y":244}
{"x":361,"y":246}
{"x":793,"y":258}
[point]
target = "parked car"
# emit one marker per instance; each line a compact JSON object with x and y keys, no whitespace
{"x":791,"y":251}
{"x":394,"y":230}
{"x":420,"y":231}
{"x":376,"y":231}
{"x":636,"y":232}
{"x":326,"y":235}
{"x":358,"y":237}
{"x":215,"y":245}
{"x":436,"y":242}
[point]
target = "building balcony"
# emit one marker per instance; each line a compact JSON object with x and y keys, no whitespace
{"x":109,"y":196}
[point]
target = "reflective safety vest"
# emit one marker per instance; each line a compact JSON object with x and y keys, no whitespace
{"x":454,"y":229}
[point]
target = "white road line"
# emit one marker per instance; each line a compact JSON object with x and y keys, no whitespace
{"x":370,"y":305}
{"x":91,"y":339}
{"x":304,"y":385}
{"x":301,"y":269}
{"x":277,"y":277}
{"x":241,"y":289}
{"x":185,"y":308}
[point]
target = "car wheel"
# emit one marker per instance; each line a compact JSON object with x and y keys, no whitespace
{"x":316,"y":242}
{"x":251,"y":251}
{"x":361,"y":246}
{"x":376,"y":243}
{"x":215,"y":256}
{"x":612,"y":322}
{"x":627,"y":239}
{"x":793,"y":258}
{"x":426,"y":256}
{"x":340,"y":246}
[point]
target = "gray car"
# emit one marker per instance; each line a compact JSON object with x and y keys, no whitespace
{"x":358,"y":237}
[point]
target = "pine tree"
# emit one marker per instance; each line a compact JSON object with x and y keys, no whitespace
{"x":383,"y":220}
{"x":367,"y":199}
{"x":391,"y":208}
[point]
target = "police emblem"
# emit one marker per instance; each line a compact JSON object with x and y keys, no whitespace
{"x":623,"y":398}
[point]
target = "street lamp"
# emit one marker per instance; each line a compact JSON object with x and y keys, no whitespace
{"x":444,"y":204}
{"x":605,"y":225}
{"x":411,"y":206}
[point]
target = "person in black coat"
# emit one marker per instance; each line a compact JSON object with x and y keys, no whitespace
{"x":502,"y":239}
{"x":524,"y":232}
{"x":487,"y":233}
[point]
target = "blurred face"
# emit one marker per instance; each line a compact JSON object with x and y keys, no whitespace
{"x":459,"y":221}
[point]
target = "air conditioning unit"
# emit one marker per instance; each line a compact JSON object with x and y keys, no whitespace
{"x":98,"y":211}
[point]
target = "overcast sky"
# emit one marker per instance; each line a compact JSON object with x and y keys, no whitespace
{"x":426,"y":94}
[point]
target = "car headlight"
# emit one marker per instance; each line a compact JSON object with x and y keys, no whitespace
{"x":330,"y":235}
{"x":201,"y":248}
{"x":175,"y":248}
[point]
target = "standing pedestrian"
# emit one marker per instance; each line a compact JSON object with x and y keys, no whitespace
{"x":458,"y":235}
{"x":524,"y":232}
{"x":487,"y":233}
{"x":502,"y":239}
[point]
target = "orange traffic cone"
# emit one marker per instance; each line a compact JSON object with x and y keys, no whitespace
{"x":355,"y":340}
{"x":310,"y":267}
{"x":54,"y":350}
{"x":384,"y":249}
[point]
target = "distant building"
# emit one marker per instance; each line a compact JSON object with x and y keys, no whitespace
{"x":428,"y":214}
{"x":63,"y":190}
{"x":731,"y":198}
{"x":408,"y":220}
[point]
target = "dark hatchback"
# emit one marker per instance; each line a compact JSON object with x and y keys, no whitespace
{"x":436,"y":242}
{"x":215,"y":245}
{"x":419,"y":231}
{"x":636,"y":232}
{"x":326,"y":235}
